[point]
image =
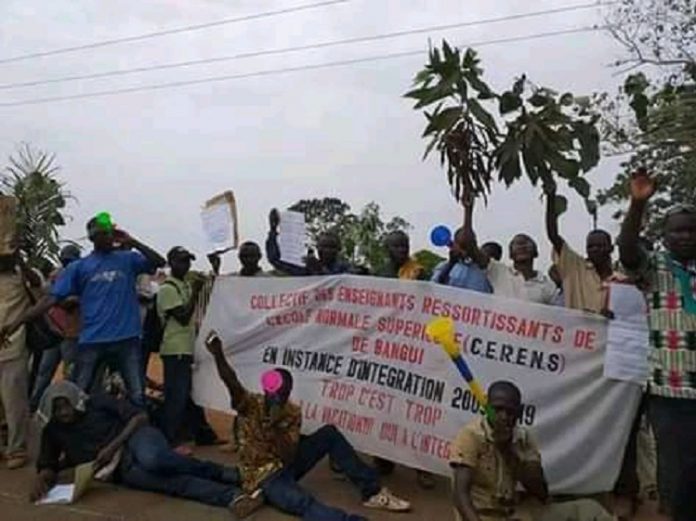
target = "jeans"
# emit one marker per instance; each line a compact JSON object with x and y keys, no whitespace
{"x":149,"y":464}
{"x":177,"y":393}
{"x":127,"y":358}
{"x":50,"y":359}
{"x":674,"y":423}
{"x":283,"y":491}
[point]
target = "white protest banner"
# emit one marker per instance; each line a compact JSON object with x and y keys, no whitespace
{"x":360,"y":358}
{"x":219,"y":219}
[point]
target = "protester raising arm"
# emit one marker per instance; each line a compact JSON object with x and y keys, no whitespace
{"x":552,"y":220}
{"x":642,"y":188}
{"x":228,"y":376}
{"x":462,"y":247}
{"x":273,"y":251}
{"x":284,"y":434}
{"x":472,"y":249}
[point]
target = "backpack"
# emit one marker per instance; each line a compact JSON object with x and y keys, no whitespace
{"x":153,"y":325}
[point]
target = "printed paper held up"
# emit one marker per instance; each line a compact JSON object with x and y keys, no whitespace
{"x":292,"y":239}
{"x":219,"y":219}
{"x":628,"y":338}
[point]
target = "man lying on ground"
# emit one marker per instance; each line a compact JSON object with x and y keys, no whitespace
{"x":116,"y":436}
{"x":491,"y":455}
{"x":273,"y":458}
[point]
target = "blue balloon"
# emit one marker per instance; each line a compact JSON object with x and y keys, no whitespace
{"x":441,"y":236}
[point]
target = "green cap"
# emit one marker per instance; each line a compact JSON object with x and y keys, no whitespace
{"x":104,"y":221}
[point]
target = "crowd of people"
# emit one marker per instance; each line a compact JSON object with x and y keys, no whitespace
{"x":102,"y":318}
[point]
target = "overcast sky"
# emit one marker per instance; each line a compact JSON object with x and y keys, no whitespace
{"x":152,"y":158}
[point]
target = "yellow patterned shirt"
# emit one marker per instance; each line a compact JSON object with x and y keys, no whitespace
{"x":258,"y":435}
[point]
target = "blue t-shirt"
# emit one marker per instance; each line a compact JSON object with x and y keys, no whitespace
{"x":106,"y":286}
{"x":465,"y":275}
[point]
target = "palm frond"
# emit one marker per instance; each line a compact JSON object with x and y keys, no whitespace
{"x":41,"y":199}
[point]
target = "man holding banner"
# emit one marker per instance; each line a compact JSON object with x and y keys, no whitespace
{"x":273,"y":458}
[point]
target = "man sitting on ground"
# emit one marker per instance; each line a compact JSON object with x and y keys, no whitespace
{"x":492,"y":455}
{"x":273,"y":458}
{"x":116,"y":436}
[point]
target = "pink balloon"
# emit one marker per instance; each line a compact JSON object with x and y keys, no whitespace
{"x":271,"y":381}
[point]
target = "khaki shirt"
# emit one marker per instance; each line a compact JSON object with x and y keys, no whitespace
{"x":493,"y":487}
{"x":582,"y":286}
{"x":13,"y":302}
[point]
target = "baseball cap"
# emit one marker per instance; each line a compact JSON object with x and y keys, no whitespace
{"x":180,"y":251}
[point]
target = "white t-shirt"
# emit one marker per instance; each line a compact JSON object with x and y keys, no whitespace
{"x":507,"y":282}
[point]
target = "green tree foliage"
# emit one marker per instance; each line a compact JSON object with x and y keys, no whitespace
{"x":428,"y":260}
{"x":361,"y":234}
{"x":323,"y":215}
{"x":31,"y":178}
{"x":653,"y":117}
{"x":661,"y":33}
{"x":526,"y":130}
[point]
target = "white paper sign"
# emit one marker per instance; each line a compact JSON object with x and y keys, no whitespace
{"x":360,"y":358}
{"x":58,"y":495}
{"x":219,"y":219}
{"x":628,"y":337}
{"x":292,"y":237}
{"x":69,"y":493}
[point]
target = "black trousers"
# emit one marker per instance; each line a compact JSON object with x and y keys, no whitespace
{"x":177,"y":395}
{"x":180,"y":419}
